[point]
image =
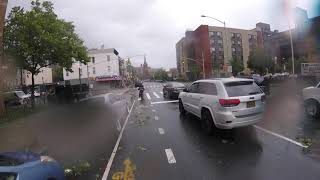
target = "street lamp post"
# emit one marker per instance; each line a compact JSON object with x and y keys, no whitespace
{"x":225,"y":33}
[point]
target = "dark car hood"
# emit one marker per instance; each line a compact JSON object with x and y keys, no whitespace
{"x":17,"y":158}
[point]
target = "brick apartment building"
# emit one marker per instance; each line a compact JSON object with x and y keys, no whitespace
{"x":217,"y":46}
{"x":305,"y":37}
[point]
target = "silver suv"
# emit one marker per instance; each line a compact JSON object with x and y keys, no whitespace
{"x":224,"y":103}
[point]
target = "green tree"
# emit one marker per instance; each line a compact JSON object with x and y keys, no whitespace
{"x":195,"y":71}
{"x":161,"y":74}
{"x":260,"y":61}
{"x":236,"y":66}
{"x":38,"y":38}
{"x":130,"y":70}
{"x":297,"y":65}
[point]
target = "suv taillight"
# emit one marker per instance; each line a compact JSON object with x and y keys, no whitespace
{"x":229,"y":102}
{"x":263,"y":98}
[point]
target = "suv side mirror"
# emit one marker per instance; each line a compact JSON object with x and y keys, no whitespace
{"x":185,"y":90}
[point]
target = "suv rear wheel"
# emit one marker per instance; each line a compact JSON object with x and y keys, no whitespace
{"x":207,"y":123}
{"x":181,"y":108}
{"x":312,"y":108}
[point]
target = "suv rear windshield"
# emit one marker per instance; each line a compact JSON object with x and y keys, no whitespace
{"x":242,"y":88}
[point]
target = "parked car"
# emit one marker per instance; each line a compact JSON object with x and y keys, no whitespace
{"x":13,"y":98}
{"x":224,"y":103}
{"x":172,"y":89}
{"x":27,"y":165}
{"x":36,"y":94}
{"x":311,"y":98}
{"x":138,"y":84}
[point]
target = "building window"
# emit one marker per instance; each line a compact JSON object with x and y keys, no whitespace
{"x":93,"y":60}
{"x":93,"y":70}
{"x":219,"y":33}
{"x":238,"y":35}
{"x":220,"y":49}
{"x":213,"y":49}
{"x":233,"y":42}
{"x":211,"y":33}
{"x":108,"y":58}
{"x":109,"y":68}
{"x":67,"y":73}
{"x":239,"y":42}
{"x":233,"y":49}
{"x":220,"y":41}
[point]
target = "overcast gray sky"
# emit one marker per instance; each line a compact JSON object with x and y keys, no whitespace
{"x":153,"y":27}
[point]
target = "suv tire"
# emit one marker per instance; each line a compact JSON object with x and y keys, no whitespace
{"x":181,"y":108}
{"x":207,"y":123}
{"x":312,"y":108}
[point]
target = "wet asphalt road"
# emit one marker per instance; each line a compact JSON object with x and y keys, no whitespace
{"x":243,"y":153}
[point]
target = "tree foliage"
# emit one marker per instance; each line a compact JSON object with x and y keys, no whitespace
{"x":161,"y":74}
{"x":297,"y":65}
{"x":38,"y":38}
{"x":236,"y":66}
{"x":260,"y":61}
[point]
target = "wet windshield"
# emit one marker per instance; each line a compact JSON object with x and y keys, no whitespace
{"x":160,"y":89}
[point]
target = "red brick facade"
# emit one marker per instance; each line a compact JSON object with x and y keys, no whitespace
{"x":202,"y":45}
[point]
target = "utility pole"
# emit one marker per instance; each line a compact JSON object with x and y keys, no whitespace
{"x":203,"y":71}
{"x":80,"y":88}
{"x":292,"y":52}
{"x":88,"y":79}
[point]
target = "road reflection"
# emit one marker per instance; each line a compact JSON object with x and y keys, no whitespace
{"x":234,"y":149}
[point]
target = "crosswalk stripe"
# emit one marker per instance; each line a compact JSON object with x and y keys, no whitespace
{"x":156,"y":95}
{"x":148,"y":96}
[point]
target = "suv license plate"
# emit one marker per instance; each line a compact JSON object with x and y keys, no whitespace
{"x":251,"y":104}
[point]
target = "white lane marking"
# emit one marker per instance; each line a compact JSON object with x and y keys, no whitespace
{"x":153,"y":110}
{"x":161,"y":92}
{"x":107,"y":170}
{"x":148,"y":96}
{"x":280,"y":136}
{"x":161,"y":131}
{"x":156,"y":95}
{"x":170,"y":156}
{"x":156,"y":118}
{"x":164,"y":102}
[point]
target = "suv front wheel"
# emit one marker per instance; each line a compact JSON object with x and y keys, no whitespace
{"x":207,"y":123}
{"x":312,"y":108}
